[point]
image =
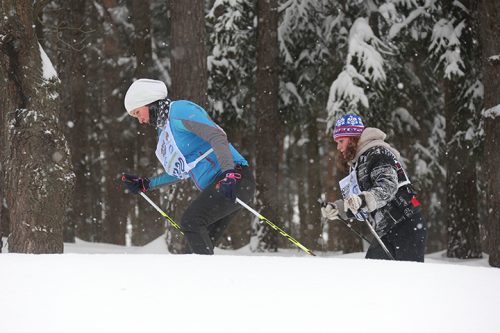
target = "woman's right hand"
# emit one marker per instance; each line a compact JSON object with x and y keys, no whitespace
{"x":330,"y":211}
{"x":135,"y":184}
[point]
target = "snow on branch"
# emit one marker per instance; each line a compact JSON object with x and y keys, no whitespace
{"x":446,"y":44}
{"x":493,"y":112}
{"x":364,"y":46}
{"x":364,"y":53}
{"x":406,"y":3}
{"x":460,"y":5}
{"x":397,"y":27}
{"x":344,"y":91}
{"x":389,"y":12}
{"x":295,"y":14}
{"x":48,"y":69}
{"x":473,"y":94}
{"x":345,"y":88}
{"x":494,"y":59}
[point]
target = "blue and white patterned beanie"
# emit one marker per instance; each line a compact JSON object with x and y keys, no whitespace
{"x":348,"y":126}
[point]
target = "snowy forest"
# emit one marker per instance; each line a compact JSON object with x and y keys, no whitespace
{"x":275,"y":75}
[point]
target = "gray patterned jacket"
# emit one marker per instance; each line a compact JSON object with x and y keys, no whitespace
{"x":388,"y":194}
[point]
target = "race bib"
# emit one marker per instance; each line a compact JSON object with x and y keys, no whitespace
{"x":349,"y":186}
{"x":171,"y":157}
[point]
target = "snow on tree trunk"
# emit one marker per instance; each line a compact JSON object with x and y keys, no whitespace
{"x":489,"y":12}
{"x":38,"y":178}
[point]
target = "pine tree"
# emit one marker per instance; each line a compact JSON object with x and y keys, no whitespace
{"x":307,"y":54}
{"x":453,"y":36}
{"x":231,"y":89}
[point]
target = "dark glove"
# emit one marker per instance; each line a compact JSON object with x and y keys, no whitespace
{"x":227,"y":185}
{"x":135,"y":184}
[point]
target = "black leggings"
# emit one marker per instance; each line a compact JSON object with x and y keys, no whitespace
{"x":208,"y":216}
{"x":406,"y":241}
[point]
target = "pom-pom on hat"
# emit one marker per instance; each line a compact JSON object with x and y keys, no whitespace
{"x":348,"y":126}
{"x":143,"y":92}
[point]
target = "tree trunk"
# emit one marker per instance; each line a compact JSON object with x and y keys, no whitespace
{"x":489,"y":12}
{"x":147,"y":223}
{"x":311,"y":227}
{"x":267,"y":121}
{"x":38,"y":173}
{"x":461,"y":182}
{"x":4,"y":212}
{"x":461,"y":179}
{"x":78,"y":37}
{"x":189,"y":81}
{"x":71,"y":64}
{"x":114,"y":146}
{"x":141,"y":19}
{"x":300,"y":167}
{"x":189,"y":51}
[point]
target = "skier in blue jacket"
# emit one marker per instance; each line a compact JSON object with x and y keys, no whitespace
{"x":191,"y":146}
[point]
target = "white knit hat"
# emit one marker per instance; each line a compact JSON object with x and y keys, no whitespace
{"x":143,"y":92}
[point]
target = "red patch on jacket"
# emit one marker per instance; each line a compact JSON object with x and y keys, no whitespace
{"x":415,"y":202}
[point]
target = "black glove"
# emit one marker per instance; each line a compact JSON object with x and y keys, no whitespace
{"x":135,"y":184}
{"x":227,"y":185}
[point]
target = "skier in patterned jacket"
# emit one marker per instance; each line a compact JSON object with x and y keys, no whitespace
{"x":191,"y":146}
{"x":379,"y":190}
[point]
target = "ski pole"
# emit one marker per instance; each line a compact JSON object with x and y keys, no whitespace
{"x":275,"y":227}
{"x":172,"y":222}
{"x":348,"y":224}
{"x":379,"y":240}
{"x":374,"y":233}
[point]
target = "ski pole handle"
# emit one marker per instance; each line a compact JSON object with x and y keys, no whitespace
{"x":275,"y":227}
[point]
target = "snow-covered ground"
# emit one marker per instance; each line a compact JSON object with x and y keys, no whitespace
{"x":106,"y":288}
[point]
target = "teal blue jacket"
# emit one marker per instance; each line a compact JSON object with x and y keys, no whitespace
{"x":195,"y":133}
